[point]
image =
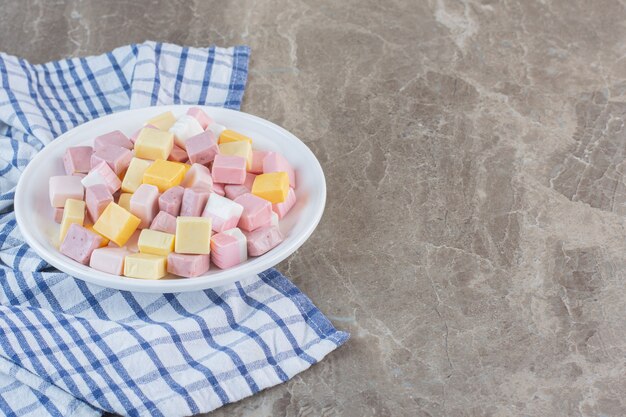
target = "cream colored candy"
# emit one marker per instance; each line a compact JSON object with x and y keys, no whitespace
{"x":145,"y":266}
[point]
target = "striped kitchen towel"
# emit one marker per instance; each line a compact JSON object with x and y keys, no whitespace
{"x":68,"y":348}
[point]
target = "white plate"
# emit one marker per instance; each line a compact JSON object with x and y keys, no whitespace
{"x":35,"y":216}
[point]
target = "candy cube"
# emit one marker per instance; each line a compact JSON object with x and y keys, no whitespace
{"x":194,"y":201}
{"x":202,"y":148}
{"x":235,"y":190}
{"x":228,"y":136}
{"x":145,"y":266}
{"x":239,"y":148}
{"x":79,"y":243}
{"x":155,"y":242}
{"x":216,"y":128}
{"x":187,"y":265}
{"x":263,"y":239}
{"x":178,"y":155}
{"x":163,"y":121}
{"x":272,"y":187}
{"x":200,"y":116}
{"x":115,"y":138}
{"x":224,"y":213}
{"x":133,"y":137}
{"x":257,"y":161}
{"x":109,"y":260}
{"x":102,"y":174}
{"x":275,"y":162}
{"x":97,"y":198}
{"x":62,"y":187}
{"x":124,"y":201}
{"x":171,"y":200}
{"x":218,"y":188}
{"x":73,"y":212}
{"x":134,"y":174}
{"x":281,"y":209}
{"x":229,"y":169}
{"x":154,"y":144}
{"x":164,"y":174}
{"x":193,"y":235}
{"x":257,"y":212}
{"x":116,"y":224}
{"x":198,"y":176}
{"x":275,"y":219}
{"x":164,"y":222}
{"x":145,"y":204}
{"x":58,"y":214}
{"x":185,"y":127}
{"x":104,"y":242}
{"x":117,"y":157}
{"x":228,"y":248}
{"x":77,"y":159}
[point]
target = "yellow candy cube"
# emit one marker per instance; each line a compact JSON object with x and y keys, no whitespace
{"x":73,"y":212}
{"x":231,"y":136}
{"x":193,"y":235}
{"x":155,"y":242}
{"x":124,"y":201}
{"x":134,"y":175}
{"x":239,"y":148}
{"x":116,"y":224}
{"x":154,"y":144}
{"x":273,"y":186}
{"x":145,"y":266}
{"x":163,"y":121}
{"x":104,"y":242}
{"x":164,"y":174}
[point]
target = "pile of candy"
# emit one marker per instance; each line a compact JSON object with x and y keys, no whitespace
{"x":178,"y":194}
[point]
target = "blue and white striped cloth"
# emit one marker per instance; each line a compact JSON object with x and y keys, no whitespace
{"x":68,"y":348}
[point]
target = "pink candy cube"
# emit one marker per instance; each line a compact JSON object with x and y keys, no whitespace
{"x":58,"y":214}
{"x":224,"y":213}
{"x":257,"y":161}
{"x":202,"y":148}
{"x":281,"y":209}
{"x":228,"y":248}
{"x":198,"y":176}
{"x":200,"y":116}
{"x":102,"y":174}
{"x":262,"y":240}
{"x":171,"y":200}
{"x":77,"y":159}
{"x":164,"y":222}
{"x":145,"y":204}
{"x":62,"y":187}
{"x":233,"y":191}
{"x":257,"y":212}
{"x":117,"y":157}
{"x":115,"y":138}
{"x":275,"y":162}
{"x":97,"y":198}
{"x":218,"y":189}
{"x":229,"y":169}
{"x":108,"y":259}
{"x":79,"y":243}
{"x":178,"y":155}
{"x":194,"y":201}
{"x":187,"y":265}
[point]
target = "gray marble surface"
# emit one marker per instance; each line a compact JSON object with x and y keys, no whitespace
{"x":474,"y":240}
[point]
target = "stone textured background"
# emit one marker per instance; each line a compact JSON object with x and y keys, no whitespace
{"x":474,"y":240}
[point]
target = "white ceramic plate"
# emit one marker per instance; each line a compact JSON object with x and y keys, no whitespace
{"x":35,"y":216}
